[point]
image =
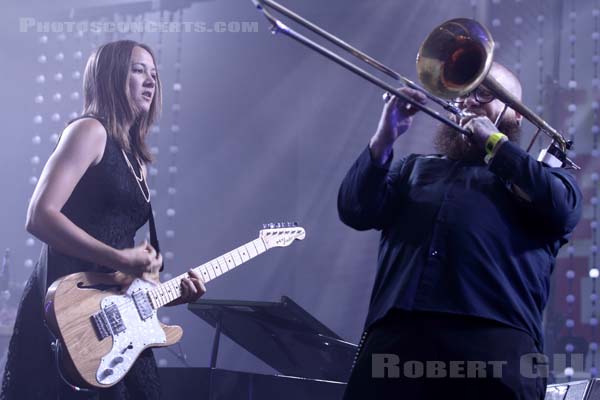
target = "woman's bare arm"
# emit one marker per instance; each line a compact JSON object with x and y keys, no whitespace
{"x":81,"y":147}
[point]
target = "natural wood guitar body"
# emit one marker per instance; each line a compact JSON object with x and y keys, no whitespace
{"x":70,"y":304}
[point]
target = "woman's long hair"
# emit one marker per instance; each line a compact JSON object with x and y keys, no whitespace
{"x":106,"y":95}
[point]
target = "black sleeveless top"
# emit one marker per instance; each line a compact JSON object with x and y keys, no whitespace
{"x":108,"y":204}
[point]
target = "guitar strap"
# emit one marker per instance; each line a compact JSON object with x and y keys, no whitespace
{"x":154,"y":237}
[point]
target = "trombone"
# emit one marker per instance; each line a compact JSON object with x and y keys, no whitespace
{"x":452,"y":61}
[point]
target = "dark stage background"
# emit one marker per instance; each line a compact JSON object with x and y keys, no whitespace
{"x":257,"y":128}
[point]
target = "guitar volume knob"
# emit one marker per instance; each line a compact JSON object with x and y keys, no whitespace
{"x":116,"y":361}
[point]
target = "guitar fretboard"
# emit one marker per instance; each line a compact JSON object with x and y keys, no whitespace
{"x":170,"y":290}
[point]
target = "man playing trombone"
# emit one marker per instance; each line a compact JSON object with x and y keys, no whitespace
{"x":469,"y":238}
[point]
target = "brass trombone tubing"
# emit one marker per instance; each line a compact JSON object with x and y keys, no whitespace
{"x":279,"y":27}
{"x":510,"y":100}
{"x":489,"y":82}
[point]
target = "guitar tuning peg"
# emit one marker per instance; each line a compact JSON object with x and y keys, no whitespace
{"x":278,"y":225}
{"x":264,"y":226}
{"x":295,"y":224}
{"x":271,"y":225}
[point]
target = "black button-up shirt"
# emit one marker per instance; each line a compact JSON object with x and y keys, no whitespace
{"x":463,"y":238}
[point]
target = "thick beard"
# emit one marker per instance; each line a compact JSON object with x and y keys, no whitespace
{"x":450,"y":143}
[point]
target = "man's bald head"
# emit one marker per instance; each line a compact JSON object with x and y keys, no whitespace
{"x":507,"y":79}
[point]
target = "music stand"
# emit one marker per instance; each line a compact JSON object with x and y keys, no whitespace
{"x":282,"y":334}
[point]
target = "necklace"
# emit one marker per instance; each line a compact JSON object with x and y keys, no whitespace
{"x":139,"y":179}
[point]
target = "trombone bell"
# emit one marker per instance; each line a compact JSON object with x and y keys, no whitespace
{"x":455,"y":58}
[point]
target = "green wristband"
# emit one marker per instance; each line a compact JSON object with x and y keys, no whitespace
{"x":492,"y":141}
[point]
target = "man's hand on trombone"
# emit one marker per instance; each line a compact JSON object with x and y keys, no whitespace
{"x":395,"y":119}
{"x":479,"y":125}
{"x":482,"y":128}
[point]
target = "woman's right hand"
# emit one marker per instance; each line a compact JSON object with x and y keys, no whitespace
{"x":140,"y":261}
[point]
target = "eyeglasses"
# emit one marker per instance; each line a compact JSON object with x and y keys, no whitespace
{"x":482,"y":96}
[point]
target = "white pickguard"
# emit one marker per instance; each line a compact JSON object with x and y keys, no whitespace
{"x":129,"y":344}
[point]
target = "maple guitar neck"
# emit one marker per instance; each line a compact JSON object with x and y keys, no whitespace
{"x":170,"y":290}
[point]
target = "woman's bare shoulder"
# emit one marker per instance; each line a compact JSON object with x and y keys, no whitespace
{"x":86,"y":135}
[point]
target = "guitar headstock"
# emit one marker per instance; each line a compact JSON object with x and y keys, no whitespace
{"x":281,"y":234}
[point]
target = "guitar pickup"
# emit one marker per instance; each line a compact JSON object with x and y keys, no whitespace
{"x":113,"y":316}
{"x":142,"y":303}
{"x":101,"y":325}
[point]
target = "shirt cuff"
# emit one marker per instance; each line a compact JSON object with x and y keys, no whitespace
{"x":374,"y":163}
{"x":507,"y":160}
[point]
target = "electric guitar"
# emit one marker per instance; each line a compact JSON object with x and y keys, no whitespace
{"x":104,"y":321}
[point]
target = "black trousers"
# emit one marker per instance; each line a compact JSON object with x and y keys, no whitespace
{"x":423,"y":355}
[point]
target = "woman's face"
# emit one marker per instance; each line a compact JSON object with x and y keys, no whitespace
{"x":141,"y":79}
